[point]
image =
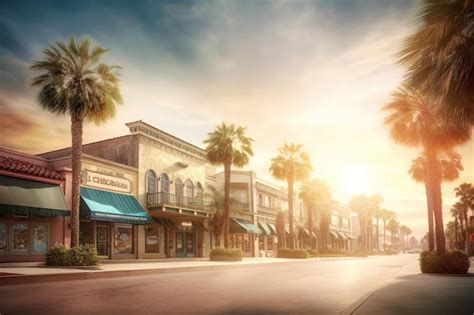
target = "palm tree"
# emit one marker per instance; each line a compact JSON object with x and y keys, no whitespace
{"x":451,"y":166}
{"x":74,"y":82}
{"x":386,"y":215}
{"x":360,"y":205}
{"x":465,"y":192}
{"x":438,"y":56}
{"x":316,"y":195}
{"x":408,"y":232}
{"x":228,"y":145}
{"x":393,"y":226}
{"x":451,"y":234}
{"x":416,"y":122}
{"x":291,"y":164}
{"x":457,"y":211}
{"x":374,"y":206}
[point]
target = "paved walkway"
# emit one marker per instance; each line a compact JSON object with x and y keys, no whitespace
{"x":412,"y":292}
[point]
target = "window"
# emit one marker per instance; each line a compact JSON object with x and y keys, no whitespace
{"x":123,"y":239}
{"x":151,"y":182}
{"x":260,"y":199}
{"x":164,"y":183}
{"x":334,"y":220}
{"x":267,"y":201}
{"x":40,"y":237}
{"x":346,"y":223}
{"x":199,"y":190}
{"x":189,"y":189}
{"x":152,"y":244}
{"x":178,"y":187}
{"x":20,"y":238}
{"x":3,"y":238}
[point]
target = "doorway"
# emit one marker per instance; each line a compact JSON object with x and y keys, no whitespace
{"x":185,"y":244}
{"x":102,"y":240}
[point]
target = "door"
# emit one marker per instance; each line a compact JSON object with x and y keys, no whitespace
{"x":184,"y":244}
{"x":103,"y":240}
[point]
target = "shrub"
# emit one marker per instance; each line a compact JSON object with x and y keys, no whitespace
{"x":455,"y":262}
{"x":231,"y":254}
{"x":83,"y":255}
{"x":313,"y":252}
{"x":292,"y":253}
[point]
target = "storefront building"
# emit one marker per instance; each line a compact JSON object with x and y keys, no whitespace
{"x":110,"y":216}
{"x":340,"y":228}
{"x":170,"y":183}
{"x":34,"y":214}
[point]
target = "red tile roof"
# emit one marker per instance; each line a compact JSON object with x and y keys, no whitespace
{"x":22,"y":167}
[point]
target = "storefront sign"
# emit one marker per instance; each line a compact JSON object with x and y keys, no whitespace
{"x":186,"y":224}
{"x":106,"y":181}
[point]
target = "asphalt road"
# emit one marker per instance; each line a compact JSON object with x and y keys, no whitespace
{"x":315,"y":287}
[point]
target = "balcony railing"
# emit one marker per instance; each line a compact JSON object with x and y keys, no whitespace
{"x":166,"y":199}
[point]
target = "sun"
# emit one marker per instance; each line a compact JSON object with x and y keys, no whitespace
{"x":355,"y":180}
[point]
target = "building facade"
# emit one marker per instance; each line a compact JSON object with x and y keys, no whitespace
{"x":340,"y":228}
{"x":34,"y":214}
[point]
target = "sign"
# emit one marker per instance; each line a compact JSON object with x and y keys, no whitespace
{"x":106,"y":181}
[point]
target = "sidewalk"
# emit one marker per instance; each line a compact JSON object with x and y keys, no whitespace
{"x":412,"y":292}
{"x":20,"y":273}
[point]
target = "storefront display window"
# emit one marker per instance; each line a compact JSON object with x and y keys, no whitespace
{"x":40,"y":238}
{"x":20,"y":238}
{"x":3,"y":238}
{"x":152,"y":244}
{"x":123,"y":239}
{"x":270,"y":242}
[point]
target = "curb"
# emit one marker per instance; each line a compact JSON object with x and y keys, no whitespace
{"x":29,"y":279}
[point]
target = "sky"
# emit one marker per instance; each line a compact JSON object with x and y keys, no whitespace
{"x":310,"y":72}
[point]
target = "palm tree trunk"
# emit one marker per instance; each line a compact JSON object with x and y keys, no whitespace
{"x":310,"y":226}
{"x":377,"y":239}
{"x":290,"y":209}
{"x":434,"y":180}
{"x":76,"y":134}
{"x":227,"y":169}
{"x":429,"y":203}
{"x":384,"y":229}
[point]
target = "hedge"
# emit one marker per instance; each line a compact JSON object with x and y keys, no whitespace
{"x":292,"y":253}
{"x":82,"y":255}
{"x":230,"y":254}
{"x":454,"y":262}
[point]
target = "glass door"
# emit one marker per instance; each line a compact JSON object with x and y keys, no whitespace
{"x":180,"y":244}
{"x":102,"y":240}
{"x":189,"y":244}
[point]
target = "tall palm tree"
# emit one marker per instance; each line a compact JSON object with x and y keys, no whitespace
{"x":393,"y":226}
{"x":316,"y":195}
{"x":457,"y":211}
{"x":291,"y":164}
{"x":374,"y":204}
{"x":73,"y":81}
{"x":450,"y":163}
{"x":439,"y":56}
{"x":408,"y":231}
{"x":451,"y":233}
{"x":386,"y":215}
{"x":455,"y":214}
{"x":228,"y":145}
{"x":414,"y":121}
{"x":360,"y":205}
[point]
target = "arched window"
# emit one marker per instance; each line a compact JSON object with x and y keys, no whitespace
{"x":151,"y":182}
{"x":189,"y":189}
{"x":199,"y":190}
{"x":260,"y":199}
{"x":178,"y":187}
{"x":164,"y":183}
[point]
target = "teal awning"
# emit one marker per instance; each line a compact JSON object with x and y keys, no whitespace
{"x":242,"y":226}
{"x":264,"y":228}
{"x":109,"y":206}
{"x":31,"y":197}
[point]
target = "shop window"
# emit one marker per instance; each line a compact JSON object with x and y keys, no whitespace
{"x":152,"y":239}
{"x":151,"y":182}
{"x":164,"y":183}
{"x":85,"y":233}
{"x":261,"y":242}
{"x":40,"y":237}
{"x":123,"y":239}
{"x":20,"y":238}
{"x":3,"y":238}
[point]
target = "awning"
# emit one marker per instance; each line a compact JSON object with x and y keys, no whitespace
{"x":242,"y":226}
{"x":349,"y":236}
{"x":31,"y":197}
{"x":264,"y":228}
{"x":334,"y":234}
{"x":306,"y":232}
{"x":314,"y":235}
{"x":272,"y":228}
{"x":165,"y":222}
{"x":342,"y":235}
{"x":109,"y":206}
{"x":199,"y":226}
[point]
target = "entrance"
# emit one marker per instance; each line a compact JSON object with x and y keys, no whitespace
{"x":185,"y":244}
{"x":102,"y":240}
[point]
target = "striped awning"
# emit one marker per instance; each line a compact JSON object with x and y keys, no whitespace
{"x":165,"y":222}
{"x":272,"y":228}
{"x":334,"y":234}
{"x":264,"y":228}
{"x":199,"y":226}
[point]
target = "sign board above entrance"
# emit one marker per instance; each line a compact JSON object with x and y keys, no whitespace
{"x":106,"y":181}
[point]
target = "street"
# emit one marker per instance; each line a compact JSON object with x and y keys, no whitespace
{"x":322,"y":286}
